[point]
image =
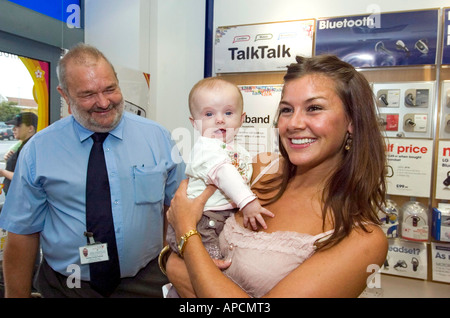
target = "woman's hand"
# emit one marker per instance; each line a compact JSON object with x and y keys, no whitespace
{"x":185,"y":213}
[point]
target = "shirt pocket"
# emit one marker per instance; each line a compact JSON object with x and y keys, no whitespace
{"x":149,"y":184}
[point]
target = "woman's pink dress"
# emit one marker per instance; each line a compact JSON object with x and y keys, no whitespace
{"x":259,"y":259}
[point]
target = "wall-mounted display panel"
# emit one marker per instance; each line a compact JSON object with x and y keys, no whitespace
{"x":406,"y":109}
{"x":262,"y":47}
{"x":380,"y":39}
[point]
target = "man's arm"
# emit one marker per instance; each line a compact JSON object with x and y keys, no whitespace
{"x":18,"y":263}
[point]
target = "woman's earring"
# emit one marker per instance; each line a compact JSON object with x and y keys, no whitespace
{"x":348,"y":142}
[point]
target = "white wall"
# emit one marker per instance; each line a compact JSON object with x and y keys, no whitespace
{"x":114,"y":26}
{"x":177,"y":51}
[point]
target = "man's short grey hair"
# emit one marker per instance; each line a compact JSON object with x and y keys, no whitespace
{"x":81,"y":54}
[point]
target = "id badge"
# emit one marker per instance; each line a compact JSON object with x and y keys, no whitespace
{"x":93,"y":252}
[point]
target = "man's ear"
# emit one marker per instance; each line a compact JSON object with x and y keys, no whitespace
{"x":64,"y":95}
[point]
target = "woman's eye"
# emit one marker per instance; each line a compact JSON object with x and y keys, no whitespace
{"x":314,"y":108}
{"x":285,"y":110}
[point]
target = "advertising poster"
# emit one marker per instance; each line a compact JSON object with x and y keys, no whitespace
{"x":446,"y":44}
{"x":406,"y":258}
{"x":257,"y":134}
{"x":440,"y":258}
{"x":409,"y":167}
{"x":443,"y":171}
{"x":381,"y":39}
{"x":262,"y":47}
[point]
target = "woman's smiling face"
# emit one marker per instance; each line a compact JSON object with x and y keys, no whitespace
{"x":312,"y":122}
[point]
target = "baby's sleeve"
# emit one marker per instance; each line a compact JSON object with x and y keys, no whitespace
{"x":205,"y":156}
{"x":229,"y":181}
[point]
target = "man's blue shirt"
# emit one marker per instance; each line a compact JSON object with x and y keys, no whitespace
{"x":48,"y":191}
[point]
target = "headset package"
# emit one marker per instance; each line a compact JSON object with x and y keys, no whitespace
{"x":414,"y":221}
{"x":441,"y":223}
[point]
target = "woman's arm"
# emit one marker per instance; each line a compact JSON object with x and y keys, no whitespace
{"x":206,"y":278}
{"x":179,"y":276}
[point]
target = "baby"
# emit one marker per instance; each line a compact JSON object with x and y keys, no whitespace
{"x":216,"y":108}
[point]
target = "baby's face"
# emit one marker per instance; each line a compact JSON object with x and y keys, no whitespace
{"x":217,"y":113}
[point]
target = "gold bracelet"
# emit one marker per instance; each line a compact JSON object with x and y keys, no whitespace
{"x":162,"y":258}
{"x":184,"y":239}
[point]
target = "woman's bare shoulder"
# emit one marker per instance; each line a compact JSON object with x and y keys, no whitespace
{"x":372,"y":241}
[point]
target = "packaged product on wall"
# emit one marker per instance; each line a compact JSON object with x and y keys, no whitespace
{"x":414,"y":221}
{"x":389,"y":219}
{"x":440,"y":229}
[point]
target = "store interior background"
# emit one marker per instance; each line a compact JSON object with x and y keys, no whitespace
{"x":166,"y":38}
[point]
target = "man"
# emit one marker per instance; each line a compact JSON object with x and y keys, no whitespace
{"x":25,"y":126}
{"x":48,"y":204}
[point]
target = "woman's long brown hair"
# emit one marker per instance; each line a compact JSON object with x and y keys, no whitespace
{"x":355,"y":192}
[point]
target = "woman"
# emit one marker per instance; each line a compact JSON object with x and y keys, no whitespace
{"x":325,"y":192}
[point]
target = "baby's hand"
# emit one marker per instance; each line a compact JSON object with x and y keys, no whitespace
{"x":253,"y":212}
